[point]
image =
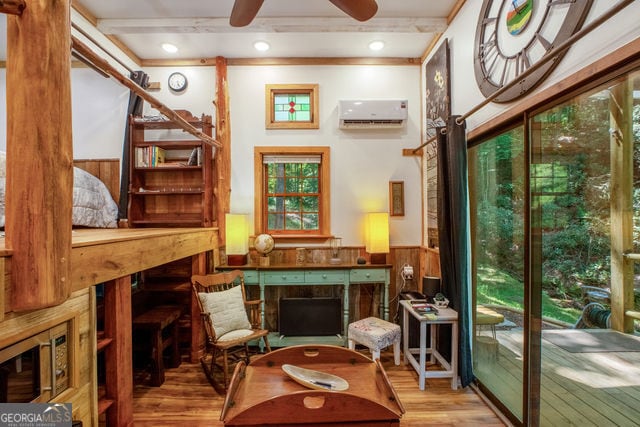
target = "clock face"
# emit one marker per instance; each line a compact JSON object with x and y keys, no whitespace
{"x":177,"y":82}
{"x":512,"y":35}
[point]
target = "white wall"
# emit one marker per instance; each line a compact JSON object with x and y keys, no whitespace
{"x":197,"y":98}
{"x":618,"y":31}
{"x":99,"y":108}
{"x":362,"y":162}
{"x":99,"y":111}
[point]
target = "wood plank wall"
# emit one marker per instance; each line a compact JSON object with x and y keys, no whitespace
{"x":106,"y":170}
{"x":363,"y":303}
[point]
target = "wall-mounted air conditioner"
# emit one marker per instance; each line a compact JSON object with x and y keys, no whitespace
{"x":372,"y":114}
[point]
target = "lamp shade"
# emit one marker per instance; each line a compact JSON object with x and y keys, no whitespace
{"x":236,"y":234}
{"x":377,"y":233}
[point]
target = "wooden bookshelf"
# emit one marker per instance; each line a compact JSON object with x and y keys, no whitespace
{"x":170,"y":179}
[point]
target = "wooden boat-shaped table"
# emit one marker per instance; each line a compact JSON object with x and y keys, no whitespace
{"x":261,"y":393}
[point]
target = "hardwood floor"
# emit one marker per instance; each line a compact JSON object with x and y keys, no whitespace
{"x":187,"y":399}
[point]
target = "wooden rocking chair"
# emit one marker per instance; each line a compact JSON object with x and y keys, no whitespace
{"x":223,"y":307}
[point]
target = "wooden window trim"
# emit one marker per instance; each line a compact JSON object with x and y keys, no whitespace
{"x":259,"y":212}
{"x":275,"y":89}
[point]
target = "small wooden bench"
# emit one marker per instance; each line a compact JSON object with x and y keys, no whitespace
{"x":162,"y":323}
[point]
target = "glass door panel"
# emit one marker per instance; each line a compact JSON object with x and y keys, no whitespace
{"x":497,"y":197}
{"x":581,"y":195}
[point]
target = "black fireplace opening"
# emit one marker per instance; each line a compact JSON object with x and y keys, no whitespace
{"x":309,"y":316}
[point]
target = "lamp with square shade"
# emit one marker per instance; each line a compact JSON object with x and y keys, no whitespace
{"x":236,"y":238}
{"x":377,"y":236}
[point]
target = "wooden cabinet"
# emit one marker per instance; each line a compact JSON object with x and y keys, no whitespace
{"x":170,"y":180}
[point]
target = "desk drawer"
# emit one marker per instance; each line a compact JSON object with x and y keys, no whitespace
{"x":320,"y":277}
{"x":364,"y":275}
{"x":283,"y":277}
{"x":251,"y":277}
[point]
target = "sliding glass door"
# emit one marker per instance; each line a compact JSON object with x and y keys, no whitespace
{"x":497,"y":206}
{"x":581,"y":203}
{"x":555,"y":207}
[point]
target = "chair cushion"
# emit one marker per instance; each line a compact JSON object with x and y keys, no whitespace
{"x":226,"y":310}
{"x":235,"y":335}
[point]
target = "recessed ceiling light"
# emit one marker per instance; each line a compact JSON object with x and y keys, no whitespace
{"x":168,"y":47}
{"x":261,"y":46}
{"x":376,"y":45}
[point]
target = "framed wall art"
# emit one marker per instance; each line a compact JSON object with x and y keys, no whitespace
{"x":437,"y":111}
{"x":396,"y":198}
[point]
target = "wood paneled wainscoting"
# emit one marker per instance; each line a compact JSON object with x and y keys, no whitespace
{"x":367,"y":302}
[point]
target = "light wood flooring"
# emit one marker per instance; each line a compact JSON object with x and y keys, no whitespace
{"x":187,"y":399}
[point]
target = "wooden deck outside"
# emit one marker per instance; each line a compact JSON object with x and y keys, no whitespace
{"x":186,"y":398}
{"x":585,"y":389}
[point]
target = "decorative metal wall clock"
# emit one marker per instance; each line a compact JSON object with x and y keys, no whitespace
{"x":513,"y":35}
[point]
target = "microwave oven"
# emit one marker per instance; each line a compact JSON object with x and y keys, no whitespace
{"x":36,"y":369}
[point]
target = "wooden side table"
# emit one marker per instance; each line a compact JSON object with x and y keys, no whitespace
{"x":161,"y":323}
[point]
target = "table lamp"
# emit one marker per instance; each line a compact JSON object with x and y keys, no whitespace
{"x":377,"y":236}
{"x":237,"y":238}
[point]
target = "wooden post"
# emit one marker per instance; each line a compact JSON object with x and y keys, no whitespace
{"x":198,"y":266}
{"x":119,"y":369}
{"x":39,"y":154}
{"x":223,"y":155}
{"x":620,"y":110}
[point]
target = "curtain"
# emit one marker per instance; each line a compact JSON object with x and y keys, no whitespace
{"x":453,"y":236}
{"x":134,"y":108}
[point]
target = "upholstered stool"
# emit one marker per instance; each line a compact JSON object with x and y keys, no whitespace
{"x":376,"y":334}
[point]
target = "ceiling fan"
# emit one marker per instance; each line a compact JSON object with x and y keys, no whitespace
{"x":244,"y":11}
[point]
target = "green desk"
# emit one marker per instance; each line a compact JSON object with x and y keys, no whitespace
{"x":316,"y":275}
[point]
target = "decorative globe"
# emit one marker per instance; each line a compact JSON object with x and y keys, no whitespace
{"x":264,"y":244}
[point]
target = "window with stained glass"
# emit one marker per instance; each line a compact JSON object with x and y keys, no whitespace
{"x":291,"y":106}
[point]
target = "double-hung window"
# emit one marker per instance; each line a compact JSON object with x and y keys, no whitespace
{"x":292,"y":191}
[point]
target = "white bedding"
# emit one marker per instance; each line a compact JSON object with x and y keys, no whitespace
{"x":93,"y":205}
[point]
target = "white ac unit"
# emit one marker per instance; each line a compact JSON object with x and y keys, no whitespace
{"x":372,"y":114}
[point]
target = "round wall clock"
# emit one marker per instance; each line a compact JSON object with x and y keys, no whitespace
{"x":512,"y":35}
{"x":177,"y":82}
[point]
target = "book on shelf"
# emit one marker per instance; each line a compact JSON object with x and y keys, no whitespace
{"x":149,"y":156}
{"x":158,"y":156}
{"x":195,"y":158}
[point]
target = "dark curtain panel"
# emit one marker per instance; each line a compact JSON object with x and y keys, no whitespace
{"x":453,"y":236}
{"x":135,"y":108}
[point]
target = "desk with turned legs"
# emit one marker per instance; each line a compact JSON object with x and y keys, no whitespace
{"x":317,"y":275}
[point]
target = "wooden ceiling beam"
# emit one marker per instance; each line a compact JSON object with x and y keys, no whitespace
{"x":272,"y":25}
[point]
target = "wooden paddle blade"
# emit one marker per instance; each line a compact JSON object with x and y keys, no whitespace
{"x":244,"y":11}
{"x":361,"y":10}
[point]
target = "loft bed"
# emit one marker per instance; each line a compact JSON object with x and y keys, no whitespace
{"x":93,"y":203}
{"x":99,"y":255}
{"x":47,"y":275}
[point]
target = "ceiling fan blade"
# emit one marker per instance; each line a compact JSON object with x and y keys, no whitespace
{"x":244,"y":11}
{"x":361,"y":10}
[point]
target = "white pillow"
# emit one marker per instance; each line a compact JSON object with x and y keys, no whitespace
{"x":226,"y":310}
